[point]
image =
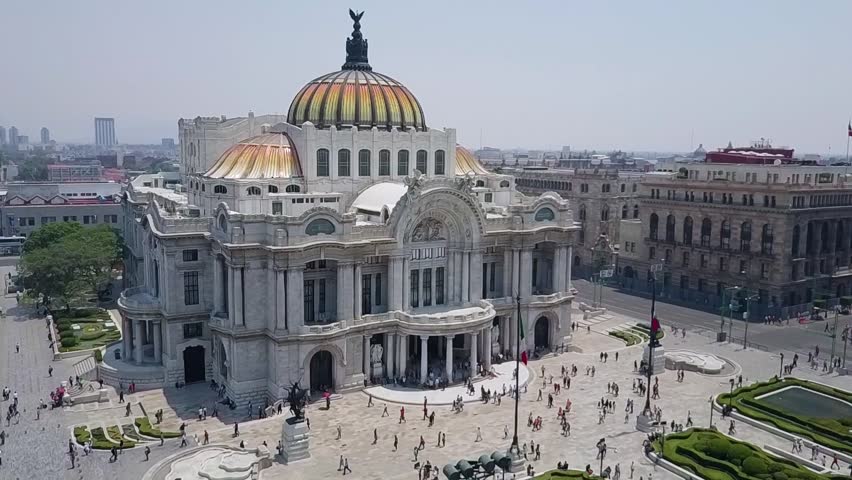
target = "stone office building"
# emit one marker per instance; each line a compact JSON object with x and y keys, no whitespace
{"x":352,"y":224}
{"x":779,"y":231}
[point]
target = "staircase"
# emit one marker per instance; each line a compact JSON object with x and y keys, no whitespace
{"x":85,"y":368}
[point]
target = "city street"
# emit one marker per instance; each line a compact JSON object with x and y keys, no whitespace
{"x":793,"y":337}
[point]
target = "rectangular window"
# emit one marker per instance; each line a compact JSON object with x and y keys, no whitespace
{"x":110,"y":218}
{"x":723,"y":264}
{"x":427,"y":287}
{"x":652,"y":253}
{"x":190,"y":288}
{"x":190,"y":255}
{"x":46,"y":220}
{"x":277,"y":208}
{"x":489,"y":197}
{"x":440,"y":162}
{"x":414,"y":285}
{"x":69,"y":218}
{"x":685,"y":259}
{"x":364,"y":163}
{"x":701,"y":285}
{"x":492,"y":277}
{"x":535,"y":272}
{"x":366,"y":294}
{"x":343,"y":159}
{"x":743,"y":267}
{"x":322,"y":162}
{"x":402,"y":163}
{"x":439,"y":286}
{"x":764,"y":271}
{"x":308,"y":301}
{"x":384,"y":163}
{"x":684,"y":282}
{"x":378,"y":295}
{"x":193,"y":330}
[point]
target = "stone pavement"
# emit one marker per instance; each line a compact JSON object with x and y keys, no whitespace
{"x":34,"y":448}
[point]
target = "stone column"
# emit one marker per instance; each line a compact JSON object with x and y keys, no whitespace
{"x":231,"y":303}
{"x":516,"y":272}
{"x":295,"y":298}
{"x":556,"y":272}
{"x":390,"y":361}
{"x":366,"y":366}
{"x":406,"y":286}
{"x":465,"y":295}
{"x":474,"y":340}
{"x":449,"y":357}
{"x":281,"y":299}
{"x":137,"y":341}
{"x":400,"y":354}
{"x":356,"y":301}
{"x":217,"y":286}
{"x":126,"y":334}
{"x":158,"y":339}
{"x":507,"y":273}
{"x":396,"y":285}
{"x":486,"y":350}
{"x":476,"y":276}
{"x":239,"y":319}
{"x":424,"y":358}
{"x":449,"y":281}
{"x":570,"y":262}
{"x":526,"y":274}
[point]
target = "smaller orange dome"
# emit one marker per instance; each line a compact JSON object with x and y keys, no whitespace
{"x":271,"y":155}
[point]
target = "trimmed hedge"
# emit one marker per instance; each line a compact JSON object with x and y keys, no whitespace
{"x":833,"y":433}
{"x":115,"y":434}
{"x":100,"y":441}
{"x":145,"y":428}
{"x":565,"y":474}
{"x":628,"y":338}
{"x":69,"y":341}
{"x":702,"y":452}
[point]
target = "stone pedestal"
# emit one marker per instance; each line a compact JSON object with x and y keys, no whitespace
{"x":378,"y":371}
{"x":518,"y":462}
{"x":645,"y":424}
{"x":658,"y":363}
{"x":294,"y":440}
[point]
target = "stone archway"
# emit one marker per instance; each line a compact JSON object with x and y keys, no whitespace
{"x":322,"y":372}
{"x":542,"y":333}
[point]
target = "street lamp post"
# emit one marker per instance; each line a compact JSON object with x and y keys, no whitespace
{"x":711,"y":413}
{"x":845,"y":341}
{"x":731,"y":397}
{"x":515,"y":445}
{"x":781,"y":368}
{"x":649,"y":367}
{"x":747,"y":318}
{"x":834,"y":338}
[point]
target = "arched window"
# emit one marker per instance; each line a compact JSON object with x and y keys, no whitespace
{"x":766,"y":239}
{"x":504,"y":184}
{"x":670,"y":228}
{"x":582,"y":213}
{"x":384,"y":163}
{"x":440,"y":162}
{"x":654,"y":224}
{"x":252,"y":191}
{"x":272,"y":189}
{"x":344,"y":163}
{"x":544,"y":215}
{"x":480,"y":183}
{"x":687,"y":231}
{"x":745,"y":237}
{"x":364,"y":163}
{"x":402,"y":163}
{"x":634,"y":188}
{"x":293,"y":189}
{"x":322,"y":162}
{"x":635,"y":211}
{"x":220,"y":189}
{"x":320,"y":226}
{"x":623,"y":212}
{"x":706,"y":232}
{"x":202,"y":187}
{"x":725,"y":235}
{"x":604,"y":213}
{"x":421,"y":164}
{"x":794,"y":247}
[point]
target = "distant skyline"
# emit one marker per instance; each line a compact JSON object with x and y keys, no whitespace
{"x":639,"y":76}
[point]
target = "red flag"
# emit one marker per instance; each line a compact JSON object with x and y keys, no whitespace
{"x":655,"y":324}
{"x":524,"y":357}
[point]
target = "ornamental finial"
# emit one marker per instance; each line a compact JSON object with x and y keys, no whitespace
{"x":356,"y":46}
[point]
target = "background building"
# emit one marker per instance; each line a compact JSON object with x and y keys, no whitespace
{"x":64,"y":172}
{"x":13,"y":136}
{"x":45,"y":136}
{"x":104,"y":132}
{"x":2,"y":136}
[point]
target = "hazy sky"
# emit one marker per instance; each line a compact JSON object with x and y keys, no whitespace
{"x":639,"y":75}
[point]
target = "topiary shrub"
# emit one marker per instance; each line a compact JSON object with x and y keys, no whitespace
{"x":753,"y":465}
{"x":779,"y":476}
{"x":738,"y":452}
{"x":99,"y":357}
{"x":92,"y":336}
{"x":719,"y":448}
{"x":69,"y":341}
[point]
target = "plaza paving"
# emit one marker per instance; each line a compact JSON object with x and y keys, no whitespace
{"x":42,"y":450}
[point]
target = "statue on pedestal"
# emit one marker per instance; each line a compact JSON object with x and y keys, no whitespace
{"x":377,"y":369}
{"x":297,"y":397}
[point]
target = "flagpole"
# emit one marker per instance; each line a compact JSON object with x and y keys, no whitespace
{"x":517,"y":375}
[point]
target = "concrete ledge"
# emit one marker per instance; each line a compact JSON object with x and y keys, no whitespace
{"x":795,"y":458}
{"x":680,"y":472}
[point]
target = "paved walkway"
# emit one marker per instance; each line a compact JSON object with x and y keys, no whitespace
{"x":414,"y":396}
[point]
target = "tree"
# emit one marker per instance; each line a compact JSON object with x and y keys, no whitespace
{"x":50,"y":274}
{"x":51,"y":234}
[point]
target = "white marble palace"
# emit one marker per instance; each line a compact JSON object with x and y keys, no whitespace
{"x":346,"y":244}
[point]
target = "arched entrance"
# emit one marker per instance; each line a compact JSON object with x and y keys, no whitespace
{"x":542,"y":333}
{"x":193,"y":364}
{"x":322,"y":372}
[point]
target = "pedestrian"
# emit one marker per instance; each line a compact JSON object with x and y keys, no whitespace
{"x":17,"y":347}
{"x":183,"y":440}
{"x":478,"y":434}
{"x":505,"y":432}
{"x":395,"y":441}
{"x":162,"y":439}
{"x":346,"y":466}
{"x":370,"y":400}
{"x":121,"y":396}
{"x":127,"y":410}
{"x":236,"y":429}
{"x":147,"y":452}
{"x":113,"y":454}
{"x":631,"y":469}
{"x":402,"y":415}
{"x":50,"y":371}
{"x":206,"y":437}
{"x":375,"y":436}
{"x":339,"y":432}
{"x":340,"y":464}
{"x":385,"y":411}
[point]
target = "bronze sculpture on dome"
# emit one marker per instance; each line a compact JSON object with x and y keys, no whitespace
{"x":356,"y":47}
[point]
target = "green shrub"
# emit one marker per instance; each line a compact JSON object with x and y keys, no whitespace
{"x":719,"y":448}
{"x":145,"y":428}
{"x":69,"y":341}
{"x":99,"y":357}
{"x":92,"y":336}
{"x":779,"y":476}
{"x":81,"y":434}
{"x":86,"y":312}
{"x":754,"y":466}
{"x":64,"y":327}
{"x":739,"y":452}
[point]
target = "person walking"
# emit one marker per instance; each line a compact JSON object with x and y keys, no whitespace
{"x":147,"y":452}
{"x":478,"y":434}
{"x":183,"y":440}
{"x":339,"y":432}
{"x":50,"y":371}
{"x":346,"y":466}
{"x":206,"y":437}
{"x":395,"y":442}
{"x":375,"y":436}
{"x":370,"y":400}
{"x":17,"y":347}
{"x":385,"y":411}
{"x":236,"y":429}
{"x":402,"y":415}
